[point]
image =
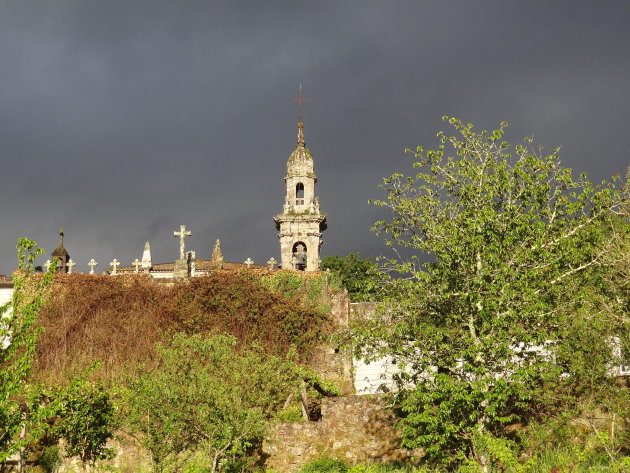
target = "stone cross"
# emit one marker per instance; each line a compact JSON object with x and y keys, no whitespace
{"x":136,"y":264}
{"x":91,"y":264}
{"x":248,"y":262}
{"x":272,"y":263}
{"x":70,"y":264}
{"x":47,"y":264}
{"x":114,"y":264}
{"x":182,"y":234}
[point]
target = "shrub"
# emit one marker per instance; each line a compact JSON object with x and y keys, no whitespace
{"x":50,"y":459}
{"x":325,"y":465}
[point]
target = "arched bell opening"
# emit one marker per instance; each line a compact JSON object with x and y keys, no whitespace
{"x":299,"y":253}
{"x":299,"y":194}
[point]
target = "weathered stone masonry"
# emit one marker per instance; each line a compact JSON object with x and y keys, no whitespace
{"x":355,"y":429}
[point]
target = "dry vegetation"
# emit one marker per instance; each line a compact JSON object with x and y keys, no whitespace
{"x":118,"y":320}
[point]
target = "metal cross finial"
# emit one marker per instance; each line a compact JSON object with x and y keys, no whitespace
{"x":70,"y":264}
{"x":182,"y":234}
{"x":248,"y":262}
{"x":114,"y":264}
{"x":272,"y":263}
{"x":91,"y":264}
{"x":300,"y":100}
{"x":136,"y":264}
{"x":47,"y":264}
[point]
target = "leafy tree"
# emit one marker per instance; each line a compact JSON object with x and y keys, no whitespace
{"x":204,"y":396}
{"x":359,"y":276}
{"x":18,"y":338}
{"x":81,"y":414}
{"x":505,"y":237}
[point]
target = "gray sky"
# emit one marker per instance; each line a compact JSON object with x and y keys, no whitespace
{"x":121,"y":120}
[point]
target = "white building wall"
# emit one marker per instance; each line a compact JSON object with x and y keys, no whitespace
{"x":6,"y":293}
{"x":375,"y":377}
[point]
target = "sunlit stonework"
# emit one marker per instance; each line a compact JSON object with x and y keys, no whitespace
{"x":301,"y":222}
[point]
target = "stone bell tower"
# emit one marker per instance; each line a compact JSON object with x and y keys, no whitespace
{"x":61,"y":254}
{"x":301,"y":223}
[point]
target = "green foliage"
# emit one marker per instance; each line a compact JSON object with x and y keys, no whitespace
{"x":81,"y":414}
{"x":284,"y":282}
{"x":316,"y":292}
{"x":325,"y":465}
{"x":511,"y":274}
{"x":493,"y":454}
{"x":205,"y":396}
{"x":50,"y":459}
{"x":391,"y":468}
{"x":290,"y":414}
{"x":309,"y":289}
{"x":501,"y":457}
{"x":18,"y":339}
{"x":359,"y":276}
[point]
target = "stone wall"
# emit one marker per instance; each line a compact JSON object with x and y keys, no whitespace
{"x":362,"y":310}
{"x":129,"y":457}
{"x":355,"y":429}
{"x":328,"y":360}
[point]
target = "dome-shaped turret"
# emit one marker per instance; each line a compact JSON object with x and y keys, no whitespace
{"x":300,"y":163}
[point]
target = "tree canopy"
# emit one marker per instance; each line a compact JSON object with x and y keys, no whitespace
{"x":18,"y":338}
{"x":207,"y":397}
{"x":359,"y":276}
{"x":81,"y":414}
{"x":510,"y":273}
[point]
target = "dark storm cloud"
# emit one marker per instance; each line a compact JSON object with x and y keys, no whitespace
{"x":122,"y":120}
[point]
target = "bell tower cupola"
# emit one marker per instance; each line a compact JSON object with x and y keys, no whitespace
{"x":61,"y":254}
{"x":301,"y":222}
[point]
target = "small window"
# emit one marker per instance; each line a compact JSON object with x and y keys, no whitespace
{"x":299,"y":194}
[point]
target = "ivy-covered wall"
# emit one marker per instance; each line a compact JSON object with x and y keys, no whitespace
{"x":118,"y":320}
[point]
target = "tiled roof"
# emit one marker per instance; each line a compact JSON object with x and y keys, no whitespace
{"x":6,"y":281}
{"x":200,"y":265}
